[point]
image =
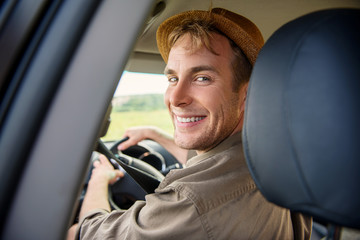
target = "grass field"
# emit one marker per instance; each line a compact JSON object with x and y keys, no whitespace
{"x":120,"y":121}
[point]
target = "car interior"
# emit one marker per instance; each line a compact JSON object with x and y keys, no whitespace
{"x":61,"y":61}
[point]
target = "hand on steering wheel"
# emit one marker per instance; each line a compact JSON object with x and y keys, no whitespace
{"x":134,"y":135}
{"x":143,"y":173}
{"x":105,"y":171}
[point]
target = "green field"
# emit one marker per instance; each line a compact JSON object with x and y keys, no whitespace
{"x":120,"y":121}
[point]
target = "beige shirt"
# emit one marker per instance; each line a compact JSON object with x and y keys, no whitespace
{"x":214,"y":197}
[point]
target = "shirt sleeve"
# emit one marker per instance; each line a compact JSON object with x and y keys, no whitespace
{"x":164,"y":215}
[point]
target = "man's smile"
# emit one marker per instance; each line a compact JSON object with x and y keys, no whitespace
{"x":188,"y":119}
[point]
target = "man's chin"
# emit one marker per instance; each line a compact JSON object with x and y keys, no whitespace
{"x":189,"y":142}
{"x":185,"y":145}
{"x":185,"y":142}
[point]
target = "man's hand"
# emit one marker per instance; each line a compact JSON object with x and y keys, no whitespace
{"x":137,"y":134}
{"x":96,"y":195}
{"x":104,"y":171}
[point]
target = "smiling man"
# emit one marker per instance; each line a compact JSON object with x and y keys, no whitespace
{"x":205,"y":106}
{"x":209,"y":56}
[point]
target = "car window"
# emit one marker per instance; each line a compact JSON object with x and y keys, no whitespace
{"x":138,"y":101}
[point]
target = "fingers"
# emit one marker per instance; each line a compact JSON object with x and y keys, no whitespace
{"x":116,"y":175}
{"x":96,"y":163}
{"x":103,"y":169}
{"x":135,"y":135}
{"x":127,"y":144}
{"x":104,"y":160}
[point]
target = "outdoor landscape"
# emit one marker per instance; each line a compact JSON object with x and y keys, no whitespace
{"x":137,"y":110}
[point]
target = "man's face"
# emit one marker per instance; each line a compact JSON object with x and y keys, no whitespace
{"x":200,"y":97}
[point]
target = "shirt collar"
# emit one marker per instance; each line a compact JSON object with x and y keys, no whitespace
{"x":225,"y":144}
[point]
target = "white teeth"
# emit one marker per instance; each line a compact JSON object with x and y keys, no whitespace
{"x":192,"y":119}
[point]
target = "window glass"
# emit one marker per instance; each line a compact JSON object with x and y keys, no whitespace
{"x":139,"y":100}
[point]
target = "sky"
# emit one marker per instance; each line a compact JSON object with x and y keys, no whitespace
{"x":141,"y":83}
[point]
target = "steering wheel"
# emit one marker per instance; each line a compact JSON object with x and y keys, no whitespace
{"x":145,"y":165}
{"x":148,"y":159}
{"x":144,"y":174}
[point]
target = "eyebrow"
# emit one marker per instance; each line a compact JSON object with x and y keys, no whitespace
{"x":193,"y":70}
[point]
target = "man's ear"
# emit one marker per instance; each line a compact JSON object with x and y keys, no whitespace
{"x":243,"y":95}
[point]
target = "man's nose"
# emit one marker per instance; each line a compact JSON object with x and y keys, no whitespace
{"x":180,"y":94}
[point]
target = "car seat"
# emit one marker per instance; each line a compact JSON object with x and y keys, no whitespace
{"x":301,"y":132}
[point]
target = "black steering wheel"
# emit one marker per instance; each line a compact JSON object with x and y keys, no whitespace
{"x":143,"y":174}
{"x":144,"y":165}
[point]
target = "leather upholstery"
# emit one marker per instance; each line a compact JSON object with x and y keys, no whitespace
{"x":301,"y":130}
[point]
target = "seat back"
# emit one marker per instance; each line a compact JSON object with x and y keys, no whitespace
{"x":301,"y":130}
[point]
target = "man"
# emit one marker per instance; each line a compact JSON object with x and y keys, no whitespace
{"x":209,"y":58}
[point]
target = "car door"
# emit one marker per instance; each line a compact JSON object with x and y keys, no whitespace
{"x":60,"y":64}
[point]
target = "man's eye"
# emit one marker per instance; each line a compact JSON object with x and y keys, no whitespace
{"x":202,"y":79}
{"x":172,"y":79}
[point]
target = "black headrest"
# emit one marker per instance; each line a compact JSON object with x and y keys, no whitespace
{"x":301,"y":131}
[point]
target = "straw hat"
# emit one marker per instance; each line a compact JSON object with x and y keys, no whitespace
{"x":238,"y":28}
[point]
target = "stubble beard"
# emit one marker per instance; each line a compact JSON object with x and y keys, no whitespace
{"x":206,"y":140}
{"x":213,"y":134}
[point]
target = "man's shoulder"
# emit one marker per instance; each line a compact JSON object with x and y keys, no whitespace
{"x":222,"y":176}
